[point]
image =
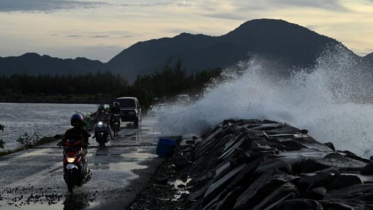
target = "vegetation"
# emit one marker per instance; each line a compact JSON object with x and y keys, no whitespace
{"x":168,"y":82}
{"x":27,"y":140}
{"x":103,"y":87}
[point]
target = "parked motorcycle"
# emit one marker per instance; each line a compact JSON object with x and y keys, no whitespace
{"x":74,"y":167}
{"x":101,"y":133}
{"x":116,"y":123}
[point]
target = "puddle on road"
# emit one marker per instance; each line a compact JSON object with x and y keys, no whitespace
{"x":125,"y":166}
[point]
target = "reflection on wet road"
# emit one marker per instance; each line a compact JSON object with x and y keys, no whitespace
{"x":33,"y":179}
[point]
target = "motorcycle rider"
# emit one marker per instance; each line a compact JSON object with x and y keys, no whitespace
{"x":115,"y":109}
{"x":78,"y":132}
{"x":102,"y":115}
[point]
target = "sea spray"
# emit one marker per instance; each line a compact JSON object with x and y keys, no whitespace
{"x":331,"y":101}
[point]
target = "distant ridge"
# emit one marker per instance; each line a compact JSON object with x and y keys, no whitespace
{"x":289,"y":44}
{"x":35,"y":64}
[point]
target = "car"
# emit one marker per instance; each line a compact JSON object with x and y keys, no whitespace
{"x":130,"y":109}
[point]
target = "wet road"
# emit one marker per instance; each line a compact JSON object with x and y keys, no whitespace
{"x":33,"y":179}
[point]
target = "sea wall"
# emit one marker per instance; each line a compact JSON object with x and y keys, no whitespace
{"x":254,"y":164}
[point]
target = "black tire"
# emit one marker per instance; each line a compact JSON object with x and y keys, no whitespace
{"x":79,"y":180}
{"x":136,"y":122}
{"x":70,"y":180}
{"x":101,"y":140}
{"x":117,"y":128}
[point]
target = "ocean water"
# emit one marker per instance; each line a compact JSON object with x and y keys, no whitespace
{"x":332,"y":101}
{"x":44,"y":119}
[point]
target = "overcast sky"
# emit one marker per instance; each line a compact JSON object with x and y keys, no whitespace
{"x":100,"y":29}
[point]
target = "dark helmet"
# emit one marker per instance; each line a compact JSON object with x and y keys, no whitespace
{"x":77,"y":118}
{"x":101,"y":108}
{"x":116,"y":104}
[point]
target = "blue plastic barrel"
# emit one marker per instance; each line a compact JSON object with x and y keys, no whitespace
{"x":164,"y":148}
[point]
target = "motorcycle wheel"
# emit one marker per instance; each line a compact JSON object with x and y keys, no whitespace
{"x":136,"y":123}
{"x":117,"y":129}
{"x":70,"y":180}
{"x":80,"y":180}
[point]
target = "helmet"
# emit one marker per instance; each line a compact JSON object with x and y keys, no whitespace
{"x":116,"y":104}
{"x":76,"y":118}
{"x":101,"y":108}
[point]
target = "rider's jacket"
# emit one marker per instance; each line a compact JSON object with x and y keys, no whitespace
{"x":115,"y":110}
{"x":77,"y":134}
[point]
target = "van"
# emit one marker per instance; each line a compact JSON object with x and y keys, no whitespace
{"x":130,"y":109}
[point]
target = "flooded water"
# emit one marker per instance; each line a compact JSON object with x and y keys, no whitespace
{"x":44,"y":119}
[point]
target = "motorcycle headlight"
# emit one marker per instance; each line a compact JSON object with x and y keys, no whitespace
{"x":100,"y":124}
{"x":70,"y":159}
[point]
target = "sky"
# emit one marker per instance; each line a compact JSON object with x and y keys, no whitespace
{"x":100,"y":29}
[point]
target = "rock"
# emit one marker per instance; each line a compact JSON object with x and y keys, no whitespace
{"x":190,"y":142}
{"x":217,"y":186}
{"x":243,"y":178}
{"x":368,"y":169}
{"x":342,"y":204}
{"x":222,"y":170}
{"x":181,"y":162}
{"x":343,"y":181}
{"x":315,"y":193}
{"x":198,"y":195}
{"x":274,"y":164}
{"x":292,"y":145}
{"x":252,"y":164}
{"x":350,"y":192}
{"x":318,"y":180}
{"x":310,"y":166}
{"x":264,"y":184}
{"x":230,"y":199}
{"x":299,"y":204}
{"x":330,"y":145}
{"x":286,"y":191}
{"x":162,"y":180}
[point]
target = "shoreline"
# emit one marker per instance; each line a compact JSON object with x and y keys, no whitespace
{"x":41,"y":141}
{"x":57,"y":99}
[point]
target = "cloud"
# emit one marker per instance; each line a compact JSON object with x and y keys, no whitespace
{"x":320,"y":4}
{"x":101,"y":36}
{"x":244,"y":10}
{"x":74,"y":36}
{"x":44,"y":5}
{"x":158,"y":4}
{"x":54,"y":34}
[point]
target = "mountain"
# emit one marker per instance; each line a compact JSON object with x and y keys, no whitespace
{"x":289,"y":44}
{"x":367,"y":62}
{"x":34,"y":64}
{"x":284,"y":44}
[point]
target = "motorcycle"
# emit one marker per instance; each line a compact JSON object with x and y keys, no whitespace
{"x":116,"y":123}
{"x":101,"y":133}
{"x":75,"y":169}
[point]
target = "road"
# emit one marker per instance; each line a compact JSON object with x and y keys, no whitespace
{"x":33,"y":179}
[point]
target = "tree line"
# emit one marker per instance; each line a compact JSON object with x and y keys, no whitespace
{"x":171,"y":80}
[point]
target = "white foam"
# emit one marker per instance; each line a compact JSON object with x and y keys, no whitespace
{"x":330,"y":102}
